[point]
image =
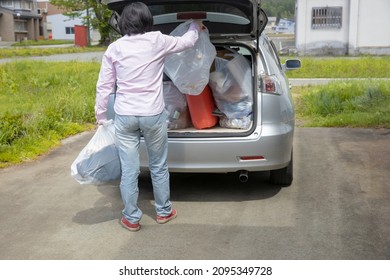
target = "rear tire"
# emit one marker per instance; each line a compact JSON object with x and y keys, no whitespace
{"x":283,"y":176}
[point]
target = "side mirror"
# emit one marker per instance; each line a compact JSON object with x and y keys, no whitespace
{"x":292,"y":64}
{"x":114,"y":22}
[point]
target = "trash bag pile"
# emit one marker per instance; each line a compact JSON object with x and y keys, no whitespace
{"x":228,"y":74}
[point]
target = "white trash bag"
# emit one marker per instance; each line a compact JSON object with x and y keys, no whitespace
{"x":98,"y":162}
{"x":189,"y":70}
{"x":231,"y":85}
{"x":176,"y":107}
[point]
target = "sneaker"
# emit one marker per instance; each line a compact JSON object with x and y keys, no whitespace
{"x":166,"y":219}
{"x":130,"y":226}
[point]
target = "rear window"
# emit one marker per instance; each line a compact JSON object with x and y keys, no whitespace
{"x":232,"y":18}
{"x":219,"y":18}
{"x":216,"y":8}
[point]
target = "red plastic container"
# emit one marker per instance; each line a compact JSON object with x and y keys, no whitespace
{"x":201,"y":107}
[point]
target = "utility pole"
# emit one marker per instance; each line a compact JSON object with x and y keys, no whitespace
{"x":88,"y":27}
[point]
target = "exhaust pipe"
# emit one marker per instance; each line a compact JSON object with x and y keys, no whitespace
{"x":243,"y":176}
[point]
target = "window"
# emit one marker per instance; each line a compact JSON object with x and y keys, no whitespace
{"x":272,"y":50}
{"x":327,"y":18}
{"x":7,"y":3}
{"x":20,"y":26}
{"x":28,"y":5}
{"x":69,"y":30}
{"x":183,"y":7}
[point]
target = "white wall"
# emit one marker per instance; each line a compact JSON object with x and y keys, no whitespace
{"x":364,"y":28}
{"x":312,"y":41}
{"x":58,"y":24}
{"x":372,"y":35}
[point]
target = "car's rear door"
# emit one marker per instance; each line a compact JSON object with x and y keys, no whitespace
{"x":224,"y":18}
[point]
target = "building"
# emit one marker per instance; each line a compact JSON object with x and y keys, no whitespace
{"x":57,"y":26}
{"x":342,"y":27}
{"x":61,"y":27}
{"x":285,"y":26}
{"x":20,"y":20}
{"x":47,"y":9}
{"x":32,"y":20}
{"x":270,"y":28}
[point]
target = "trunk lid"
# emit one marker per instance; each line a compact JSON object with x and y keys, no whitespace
{"x":236,"y":19}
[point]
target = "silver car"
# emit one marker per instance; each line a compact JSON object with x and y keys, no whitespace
{"x":264,"y":142}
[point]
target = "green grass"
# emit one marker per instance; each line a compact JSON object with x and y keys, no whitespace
{"x":24,"y":52}
{"x":344,"y":104}
{"x":348,"y":67}
{"x":43,"y":104}
{"x":348,"y":103}
{"x":41,"y":43}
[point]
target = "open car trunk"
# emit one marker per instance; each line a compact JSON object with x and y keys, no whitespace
{"x":229,"y":104}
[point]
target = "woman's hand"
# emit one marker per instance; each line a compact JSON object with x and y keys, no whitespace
{"x":200,"y":24}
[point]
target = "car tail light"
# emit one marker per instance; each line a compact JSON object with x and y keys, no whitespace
{"x":269,"y":84}
{"x":251,"y":158}
{"x":191,"y":15}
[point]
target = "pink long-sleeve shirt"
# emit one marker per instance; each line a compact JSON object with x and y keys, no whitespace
{"x":136,"y":64}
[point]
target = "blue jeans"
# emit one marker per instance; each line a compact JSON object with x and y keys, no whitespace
{"x":128,"y":130}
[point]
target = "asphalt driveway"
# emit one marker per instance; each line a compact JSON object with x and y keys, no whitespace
{"x":337,"y":208}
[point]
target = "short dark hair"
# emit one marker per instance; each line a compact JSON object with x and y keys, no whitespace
{"x":136,"y":18}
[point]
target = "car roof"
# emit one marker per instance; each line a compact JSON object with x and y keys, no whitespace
{"x":223,"y":18}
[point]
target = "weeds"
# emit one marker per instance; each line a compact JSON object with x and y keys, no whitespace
{"x":340,"y":104}
{"x":23,"y":52}
{"x":41,"y":42}
{"x":43,"y":104}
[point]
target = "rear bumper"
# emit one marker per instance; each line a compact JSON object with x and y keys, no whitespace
{"x":222,"y":155}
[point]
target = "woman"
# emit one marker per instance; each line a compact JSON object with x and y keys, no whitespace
{"x":135,"y":63}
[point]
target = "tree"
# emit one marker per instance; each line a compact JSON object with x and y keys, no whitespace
{"x":279,"y":8}
{"x":97,"y":15}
